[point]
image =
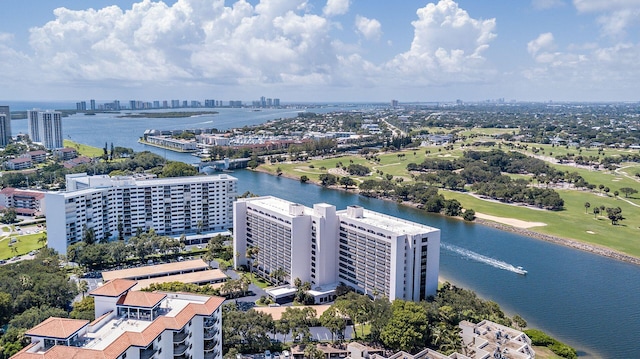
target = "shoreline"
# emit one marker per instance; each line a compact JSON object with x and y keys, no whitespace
{"x":571,"y":243}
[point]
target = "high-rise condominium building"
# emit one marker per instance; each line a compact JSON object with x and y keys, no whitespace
{"x":45,"y":127}
{"x":134,"y":325}
{"x":113,"y":207}
{"x":372,"y":252}
{"x":5,"y":126}
{"x":33,"y":125}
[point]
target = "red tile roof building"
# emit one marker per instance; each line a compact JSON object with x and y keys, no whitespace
{"x":25,"y":202}
{"x":131,"y":324}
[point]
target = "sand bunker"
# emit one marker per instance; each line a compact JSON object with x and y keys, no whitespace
{"x":510,"y":221}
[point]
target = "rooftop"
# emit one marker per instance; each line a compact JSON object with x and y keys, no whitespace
{"x":156,"y":270}
{"x":141,"y":299}
{"x":206,"y":276}
{"x":109,"y":336}
{"x":114,"y":288}
{"x":388,"y":223}
{"x":61,"y":328}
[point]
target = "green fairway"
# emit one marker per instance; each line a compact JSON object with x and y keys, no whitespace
{"x":572,"y":222}
{"x":84,"y":150}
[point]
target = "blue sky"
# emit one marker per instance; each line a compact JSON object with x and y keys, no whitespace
{"x":329,"y":50}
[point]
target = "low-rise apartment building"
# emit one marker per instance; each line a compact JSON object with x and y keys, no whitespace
{"x":374,"y":253}
{"x":25,"y":202}
{"x":119,"y":206}
{"x":134,"y":325}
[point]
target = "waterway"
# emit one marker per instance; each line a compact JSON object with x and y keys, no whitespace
{"x":588,"y":301}
{"x":101,"y":128}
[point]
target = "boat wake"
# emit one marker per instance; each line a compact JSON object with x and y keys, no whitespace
{"x":483,"y":259}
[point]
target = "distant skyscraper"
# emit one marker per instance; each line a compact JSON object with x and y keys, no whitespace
{"x":156,"y":104}
{"x":185,"y":103}
{"x":276,"y":102}
{"x":81,"y":106}
{"x":93,"y":105}
{"x":175,"y":103}
{"x":5,"y":126}
{"x":209,"y":103}
{"x":263,"y":102}
{"x":50,"y":128}
{"x":33,"y":126}
{"x":394,"y":103}
{"x":116,"y":105}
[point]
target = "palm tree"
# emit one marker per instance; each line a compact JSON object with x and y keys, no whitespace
{"x":586,"y":206}
{"x":83,"y":287}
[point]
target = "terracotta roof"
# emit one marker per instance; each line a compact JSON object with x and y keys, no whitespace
{"x":67,"y":149}
{"x":62,"y":352}
{"x":57,"y":328}
{"x":141,"y":299}
{"x":21,"y":192}
{"x":156,"y":270}
{"x":36,"y":153}
{"x":20,"y":160}
{"x":128,"y":339}
{"x":114,"y":288}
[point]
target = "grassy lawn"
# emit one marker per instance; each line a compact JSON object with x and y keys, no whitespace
{"x":545,"y":353}
{"x":261,"y":283}
{"x":84,"y":150}
{"x":25,"y":244}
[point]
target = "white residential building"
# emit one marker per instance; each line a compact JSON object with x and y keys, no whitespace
{"x":168,"y":205}
{"x":133,"y":325}
{"x":372,"y":252}
{"x":45,"y":127}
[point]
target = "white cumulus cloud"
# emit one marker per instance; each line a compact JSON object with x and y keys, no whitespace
{"x":371,"y":29}
{"x":615,"y":16}
{"x":447,"y":46}
{"x":336,"y":7}
{"x":541,"y":43}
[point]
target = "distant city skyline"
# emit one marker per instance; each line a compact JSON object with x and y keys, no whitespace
{"x":321,"y":50}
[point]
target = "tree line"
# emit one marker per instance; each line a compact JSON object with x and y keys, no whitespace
{"x":30,"y":292}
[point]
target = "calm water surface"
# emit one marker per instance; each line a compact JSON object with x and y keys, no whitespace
{"x":587,"y":301}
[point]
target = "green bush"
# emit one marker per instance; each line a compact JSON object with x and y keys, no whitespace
{"x":539,"y":338}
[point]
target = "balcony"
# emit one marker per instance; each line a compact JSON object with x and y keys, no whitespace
{"x":211,"y":355}
{"x":210,"y":334}
{"x":210,"y":345}
{"x":180,"y":337}
{"x":179,"y":349}
{"x":147,"y":353}
{"x":210,"y":322}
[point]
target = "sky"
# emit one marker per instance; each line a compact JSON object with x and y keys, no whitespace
{"x":320,"y":50}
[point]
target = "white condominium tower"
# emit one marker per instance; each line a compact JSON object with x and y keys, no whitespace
{"x":5,"y":126}
{"x":45,"y":127}
{"x":110,"y":205}
{"x":370,"y":251}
